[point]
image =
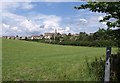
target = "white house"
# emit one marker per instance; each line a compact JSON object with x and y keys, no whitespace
{"x":23,"y":37}
{"x":36,"y":37}
{"x":48,"y":35}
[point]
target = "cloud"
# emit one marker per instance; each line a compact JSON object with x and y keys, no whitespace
{"x":60,"y":0}
{"x":94,"y":24}
{"x":19,"y":0}
{"x":14,"y":24}
{"x":83,"y":20}
{"x":87,"y":21}
{"x":29,"y":25}
{"x":12,"y":16}
{"x":9,"y":6}
{"x":100,"y":18}
{"x":42,"y":1}
{"x":27,"y":6}
{"x":67,"y":29}
{"x":5,"y":29}
{"x":6,"y":26}
{"x":38,"y":23}
{"x":47,"y":21}
{"x":51,"y":21}
{"x":14,"y":28}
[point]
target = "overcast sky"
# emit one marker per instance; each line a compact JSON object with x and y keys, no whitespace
{"x":35,"y":18}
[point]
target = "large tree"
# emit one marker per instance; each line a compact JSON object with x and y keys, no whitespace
{"x":112,"y":10}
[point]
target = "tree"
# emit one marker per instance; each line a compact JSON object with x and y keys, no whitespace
{"x":112,"y":10}
{"x":82,"y":36}
{"x":17,"y":36}
{"x":69,"y":34}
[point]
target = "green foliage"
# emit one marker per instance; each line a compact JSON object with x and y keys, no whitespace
{"x":112,"y":10}
{"x":115,"y":66}
{"x":101,"y":38}
{"x":97,"y":67}
{"x":82,"y":36}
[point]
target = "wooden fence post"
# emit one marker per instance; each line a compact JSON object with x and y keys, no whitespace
{"x":107,"y":65}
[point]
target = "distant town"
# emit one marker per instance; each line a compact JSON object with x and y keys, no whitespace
{"x":47,"y":36}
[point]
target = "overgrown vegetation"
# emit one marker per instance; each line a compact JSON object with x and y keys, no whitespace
{"x":96,"y":68}
{"x":115,"y":67}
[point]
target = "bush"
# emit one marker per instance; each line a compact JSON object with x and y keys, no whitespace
{"x":115,"y":67}
{"x":95,"y":43}
{"x":96,"y":68}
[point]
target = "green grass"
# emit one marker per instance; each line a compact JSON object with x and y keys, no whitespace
{"x":0,"y":59}
{"x":23,"y":60}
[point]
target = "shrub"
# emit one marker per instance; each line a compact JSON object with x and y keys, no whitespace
{"x":96,"y":68}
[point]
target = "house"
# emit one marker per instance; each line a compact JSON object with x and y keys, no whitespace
{"x":4,"y":37}
{"x":48,"y":35}
{"x":36,"y":37}
{"x":8,"y":37}
{"x":17,"y":37}
{"x":30,"y":37}
{"x":23,"y":37}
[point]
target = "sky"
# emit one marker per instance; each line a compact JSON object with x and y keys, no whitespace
{"x":35,"y":18}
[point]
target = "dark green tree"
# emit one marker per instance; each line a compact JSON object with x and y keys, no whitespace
{"x":82,"y":36}
{"x":112,"y":10}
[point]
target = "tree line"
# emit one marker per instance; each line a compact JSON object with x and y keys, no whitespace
{"x":100,"y":38}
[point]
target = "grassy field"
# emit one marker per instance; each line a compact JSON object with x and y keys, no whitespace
{"x":0,"y":59}
{"x":23,"y":60}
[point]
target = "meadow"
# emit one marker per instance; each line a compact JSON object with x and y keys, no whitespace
{"x":24,"y":60}
{"x":0,"y":59}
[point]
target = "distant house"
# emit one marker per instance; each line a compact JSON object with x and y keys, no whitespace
{"x":23,"y":37}
{"x":10,"y":37}
{"x":30,"y":37}
{"x":36,"y":37}
{"x":17,"y":37}
{"x":48,"y":35}
{"x":4,"y":37}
